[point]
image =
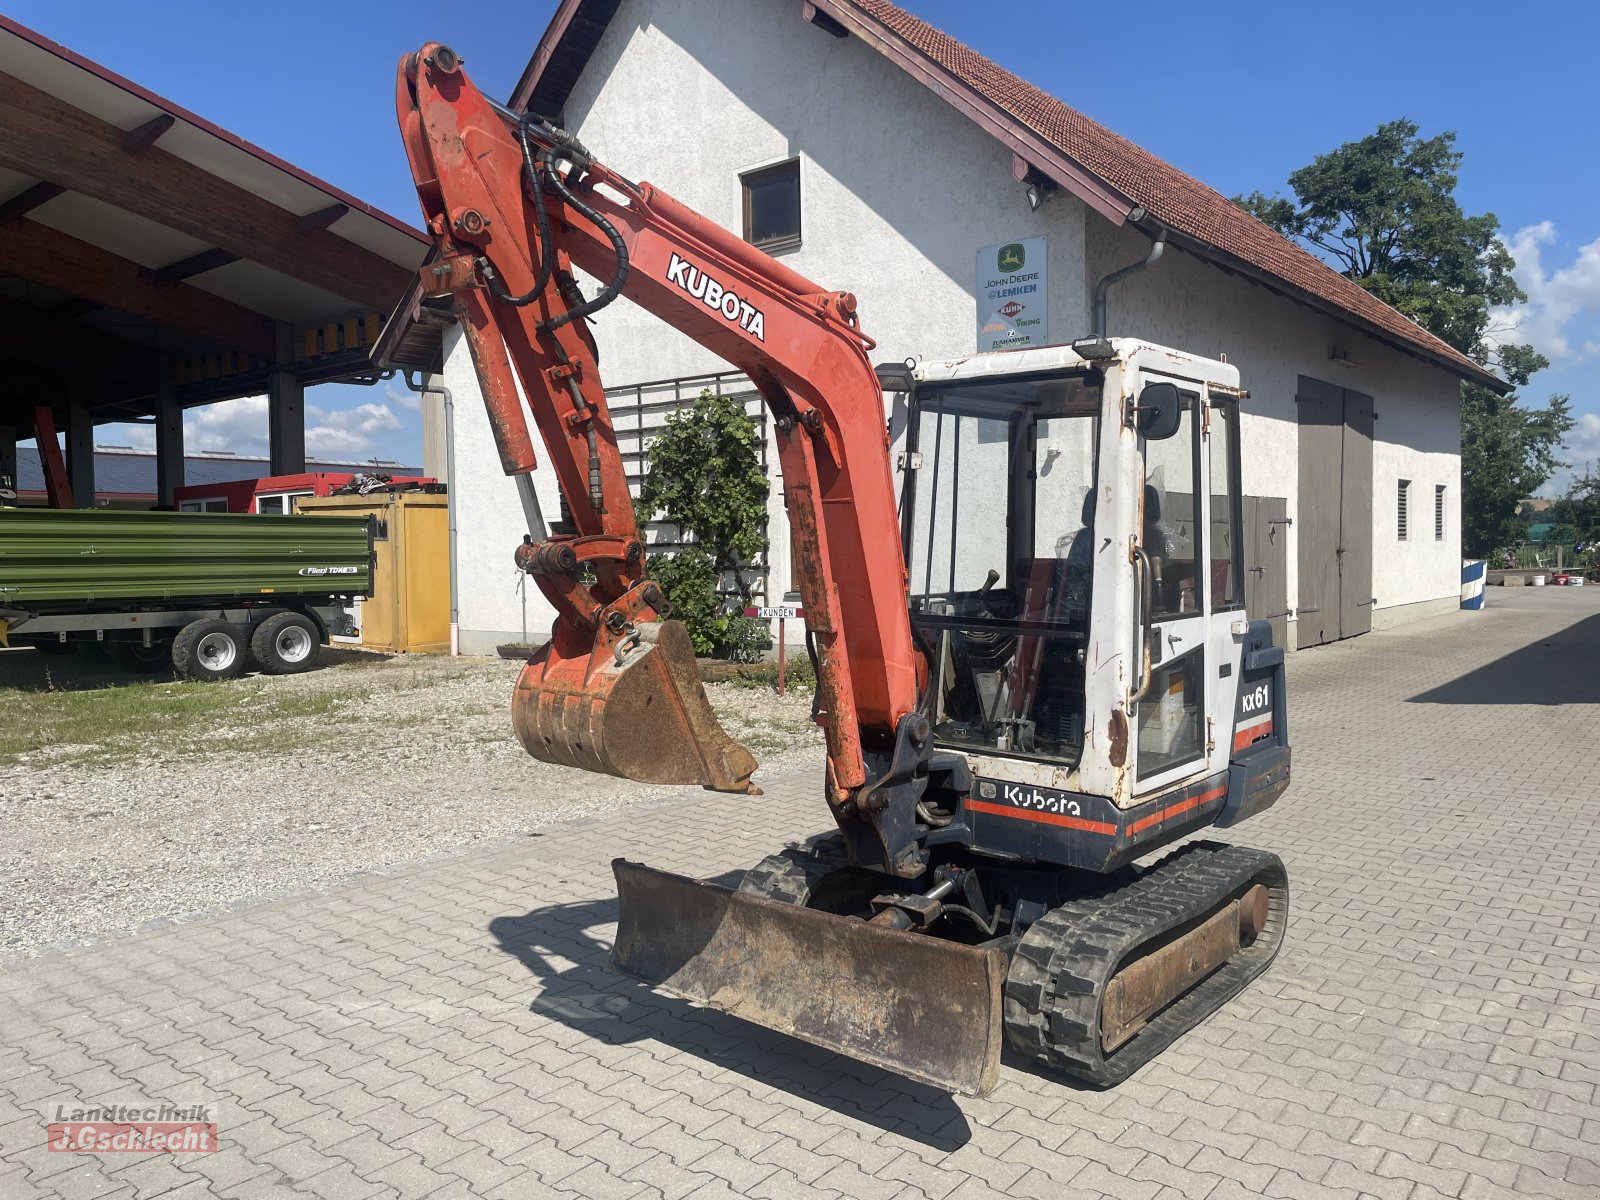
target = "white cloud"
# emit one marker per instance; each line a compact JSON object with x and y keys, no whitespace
{"x":1558,"y":301}
{"x":237,"y":425}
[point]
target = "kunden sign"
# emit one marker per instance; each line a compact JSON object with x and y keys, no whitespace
{"x":1011,"y":293}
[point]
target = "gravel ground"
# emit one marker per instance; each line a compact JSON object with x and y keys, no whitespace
{"x":395,"y":759}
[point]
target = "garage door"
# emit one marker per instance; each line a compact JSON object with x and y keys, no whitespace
{"x":1334,"y":522}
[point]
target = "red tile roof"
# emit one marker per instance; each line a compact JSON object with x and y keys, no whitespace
{"x":1181,"y":203}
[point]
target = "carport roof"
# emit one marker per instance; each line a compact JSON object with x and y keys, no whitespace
{"x":1123,"y":182}
{"x":136,"y":229}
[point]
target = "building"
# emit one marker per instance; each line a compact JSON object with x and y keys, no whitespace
{"x":875,"y":154}
{"x":151,"y":261}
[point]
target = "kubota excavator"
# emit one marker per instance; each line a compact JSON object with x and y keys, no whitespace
{"x":1032,"y":672}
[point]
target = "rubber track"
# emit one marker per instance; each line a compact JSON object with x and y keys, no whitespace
{"x":1056,"y":984}
{"x":789,"y":875}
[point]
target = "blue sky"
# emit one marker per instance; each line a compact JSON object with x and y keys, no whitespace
{"x":1238,"y":97}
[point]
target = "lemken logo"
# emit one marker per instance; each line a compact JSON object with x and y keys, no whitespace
{"x":1011,"y":258}
{"x":718,"y":298}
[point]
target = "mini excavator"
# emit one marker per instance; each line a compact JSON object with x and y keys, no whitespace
{"x":1034,"y":667}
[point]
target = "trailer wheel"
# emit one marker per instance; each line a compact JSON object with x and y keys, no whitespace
{"x":208,"y":650}
{"x":286,"y":643}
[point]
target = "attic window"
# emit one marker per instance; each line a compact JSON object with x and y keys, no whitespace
{"x":772,"y":207}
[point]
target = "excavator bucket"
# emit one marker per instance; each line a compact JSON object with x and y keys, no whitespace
{"x":638,"y":711}
{"x":923,"y":1007}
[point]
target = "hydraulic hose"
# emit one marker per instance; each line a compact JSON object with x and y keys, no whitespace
{"x":619,"y":277}
{"x":536,"y":192}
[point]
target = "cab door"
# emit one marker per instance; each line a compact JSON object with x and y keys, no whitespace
{"x":1170,"y":733}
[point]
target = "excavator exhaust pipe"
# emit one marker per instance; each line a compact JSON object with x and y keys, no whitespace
{"x":920,"y":1006}
{"x":634,"y":708}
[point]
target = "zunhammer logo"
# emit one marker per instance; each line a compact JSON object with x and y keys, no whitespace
{"x":329,"y":571}
{"x":718,"y":298}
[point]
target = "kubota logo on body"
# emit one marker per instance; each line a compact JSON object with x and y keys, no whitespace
{"x":714,"y":296}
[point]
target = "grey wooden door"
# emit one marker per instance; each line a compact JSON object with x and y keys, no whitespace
{"x":1355,"y":518}
{"x":1266,"y":563}
{"x":1334,"y":522}
{"x":1321,"y":411}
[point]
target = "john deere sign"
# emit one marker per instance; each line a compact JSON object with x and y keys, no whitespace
{"x":1012,"y":295}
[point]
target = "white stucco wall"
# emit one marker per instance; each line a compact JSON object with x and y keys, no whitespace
{"x":898,"y":192}
{"x":1185,"y":302}
{"x":490,"y":523}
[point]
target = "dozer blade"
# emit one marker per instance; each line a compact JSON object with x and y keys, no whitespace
{"x":637,"y":711}
{"x":910,"y":1003}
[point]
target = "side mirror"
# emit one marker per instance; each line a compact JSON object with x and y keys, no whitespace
{"x":1159,"y":411}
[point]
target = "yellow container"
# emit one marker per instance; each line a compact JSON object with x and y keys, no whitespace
{"x":409,"y":610}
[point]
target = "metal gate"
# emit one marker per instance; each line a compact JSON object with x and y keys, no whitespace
{"x":1266,"y":563}
{"x":1335,"y":513}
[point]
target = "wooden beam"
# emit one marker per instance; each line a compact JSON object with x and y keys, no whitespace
{"x":47,"y":256}
{"x":320,"y":219}
{"x":45,"y":338}
{"x":48,"y":138}
{"x":142,"y":137}
{"x":20,"y":206}
{"x":195,"y":264}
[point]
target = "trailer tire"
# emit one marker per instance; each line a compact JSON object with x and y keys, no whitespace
{"x":286,"y":643}
{"x":209,"y":650}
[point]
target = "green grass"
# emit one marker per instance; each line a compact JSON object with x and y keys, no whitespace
{"x":121,"y":722}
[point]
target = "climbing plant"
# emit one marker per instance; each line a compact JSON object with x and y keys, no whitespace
{"x":706,"y":478}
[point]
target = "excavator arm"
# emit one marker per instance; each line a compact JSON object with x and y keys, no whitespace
{"x":514,"y":205}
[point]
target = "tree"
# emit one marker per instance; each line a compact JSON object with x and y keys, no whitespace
{"x":1507,"y":453}
{"x":1383,"y":211}
{"x":706,"y":478}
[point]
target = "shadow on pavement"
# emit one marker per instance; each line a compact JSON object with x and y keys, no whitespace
{"x":557,"y":947}
{"x":1563,"y":668}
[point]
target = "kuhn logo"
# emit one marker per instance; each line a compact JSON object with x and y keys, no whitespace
{"x":1011,"y":308}
{"x":328,"y":571}
{"x":718,"y":298}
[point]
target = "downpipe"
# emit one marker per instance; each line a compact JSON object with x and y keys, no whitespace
{"x":439,"y":389}
{"x":1157,"y":248}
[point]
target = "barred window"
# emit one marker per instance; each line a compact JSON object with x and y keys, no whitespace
{"x":1438,"y":512}
{"x":1402,"y":500}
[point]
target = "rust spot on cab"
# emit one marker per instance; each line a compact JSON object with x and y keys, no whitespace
{"x":1117,"y":733}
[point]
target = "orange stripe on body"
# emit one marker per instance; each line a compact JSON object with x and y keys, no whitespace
{"x":1006,"y":810}
{"x":1251,"y":734}
{"x":1173,"y":810}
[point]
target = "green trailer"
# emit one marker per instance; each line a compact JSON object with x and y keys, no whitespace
{"x":200,"y":592}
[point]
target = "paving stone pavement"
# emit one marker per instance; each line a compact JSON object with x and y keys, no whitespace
{"x":1432,"y":1027}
